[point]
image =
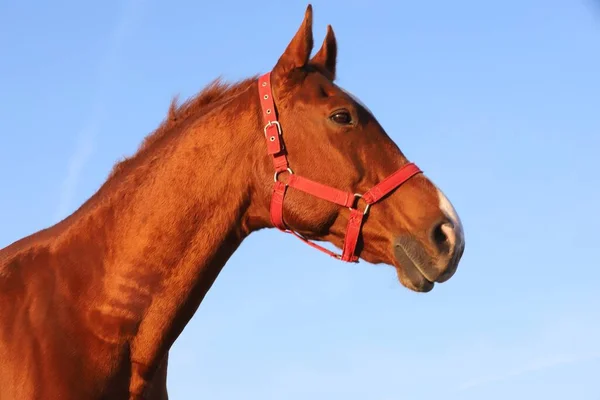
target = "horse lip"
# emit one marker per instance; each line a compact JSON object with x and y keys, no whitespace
{"x":404,"y":261}
{"x":415,"y":265}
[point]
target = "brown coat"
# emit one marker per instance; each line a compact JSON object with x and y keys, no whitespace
{"x":91,"y":306}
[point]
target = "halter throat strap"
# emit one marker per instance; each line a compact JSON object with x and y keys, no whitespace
{"x":276,"y":149}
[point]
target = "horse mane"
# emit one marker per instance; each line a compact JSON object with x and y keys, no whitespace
{"x":213,"y":94}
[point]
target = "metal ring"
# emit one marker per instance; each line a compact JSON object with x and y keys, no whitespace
{"x":277,"y":173}
{"x":359,"y":196}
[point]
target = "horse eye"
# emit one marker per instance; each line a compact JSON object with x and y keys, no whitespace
{"x":342,"y":118}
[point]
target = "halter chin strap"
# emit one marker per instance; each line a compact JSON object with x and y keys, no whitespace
{"x":275,"y":148}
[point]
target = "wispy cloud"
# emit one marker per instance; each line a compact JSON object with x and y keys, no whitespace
{"x":531,"y":366}
{"x":85,"y":138}
{"x":83,"y":151}
{"x":567,"y":338}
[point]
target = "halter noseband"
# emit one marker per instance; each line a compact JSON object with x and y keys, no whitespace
{"x":275,"y":148}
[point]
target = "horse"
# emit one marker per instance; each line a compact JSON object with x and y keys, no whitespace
{"x":92,"y":305}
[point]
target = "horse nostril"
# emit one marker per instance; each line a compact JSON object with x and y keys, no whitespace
{"x":439,"y":235}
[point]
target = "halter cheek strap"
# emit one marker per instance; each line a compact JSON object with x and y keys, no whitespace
{"x":275,"y":148}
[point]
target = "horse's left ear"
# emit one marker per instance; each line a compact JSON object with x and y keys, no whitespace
{"x":297,"y":53}
{"x":326,"y":58}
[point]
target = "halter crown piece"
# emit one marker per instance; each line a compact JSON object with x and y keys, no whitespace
{"x":275,"y":148}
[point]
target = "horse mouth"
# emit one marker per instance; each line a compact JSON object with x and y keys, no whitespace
{"x":409,"y":272}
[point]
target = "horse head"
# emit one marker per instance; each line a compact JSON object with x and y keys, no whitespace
{"x":339,"y":177}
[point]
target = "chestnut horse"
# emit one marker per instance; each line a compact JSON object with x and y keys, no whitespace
{"x":92,"y":305}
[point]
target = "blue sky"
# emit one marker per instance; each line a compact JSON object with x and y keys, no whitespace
{"x":497,"y":101}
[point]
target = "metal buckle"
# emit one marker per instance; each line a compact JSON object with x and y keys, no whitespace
{"x":278,"y":172}
{"x":271,"y":123}
{"x":356,"y":198}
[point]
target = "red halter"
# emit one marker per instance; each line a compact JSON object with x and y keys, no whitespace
{"x":275,"y":148}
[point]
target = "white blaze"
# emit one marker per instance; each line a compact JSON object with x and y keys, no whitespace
{"x":448,"y":209}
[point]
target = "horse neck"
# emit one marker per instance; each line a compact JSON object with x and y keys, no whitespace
{"x":188,"y":213}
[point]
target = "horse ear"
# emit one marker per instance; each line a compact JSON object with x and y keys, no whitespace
{"x":297,"y":53}
{"x":326,"y":58}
